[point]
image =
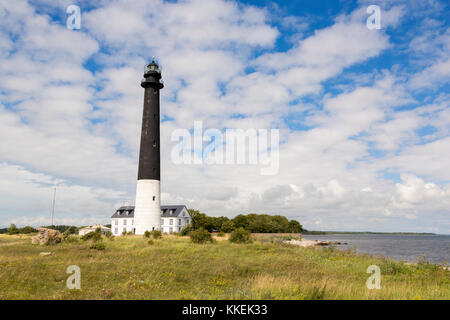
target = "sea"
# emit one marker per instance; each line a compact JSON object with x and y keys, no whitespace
{"x":408,"y":248}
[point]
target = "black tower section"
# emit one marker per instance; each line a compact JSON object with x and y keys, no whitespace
{"x":149,"y":156}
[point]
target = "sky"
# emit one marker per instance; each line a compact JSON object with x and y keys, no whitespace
{"x":363,"y":113}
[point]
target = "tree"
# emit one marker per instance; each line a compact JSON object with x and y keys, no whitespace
{"x":13,"y":229}
{"x":259,"y":223}
{"x":227,"y":226}
{"x":279,"y":224}
{"x":217,"y":222}
{"x":27,"y":229}
{"x":200,"y":220}
{"x":295,"y":227}
{"x":240,"y":221}
{"x":256,"y":223}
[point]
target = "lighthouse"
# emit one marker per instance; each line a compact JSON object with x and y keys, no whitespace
{"x":147,"y":212}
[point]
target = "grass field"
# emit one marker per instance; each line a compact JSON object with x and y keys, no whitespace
{"x":175,"y":268}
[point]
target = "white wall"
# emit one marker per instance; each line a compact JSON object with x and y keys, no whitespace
{"x":147,"y":212}
{"x":177,"y":222}
{"x":122,"y":225}
{"x":165,"y":223}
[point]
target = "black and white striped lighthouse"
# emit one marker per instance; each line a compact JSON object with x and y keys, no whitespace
{"x":147,"y":213}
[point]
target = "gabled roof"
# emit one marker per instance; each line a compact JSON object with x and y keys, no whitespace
{"x":124,"y":212}
{"x":166,"y":211}
{"x":171,"y":211}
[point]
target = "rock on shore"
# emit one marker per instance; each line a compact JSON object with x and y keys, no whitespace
{"x":310,"y":243}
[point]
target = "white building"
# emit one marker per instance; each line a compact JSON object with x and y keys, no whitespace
{"x":90,"y":229}
{"x":173,"y":219}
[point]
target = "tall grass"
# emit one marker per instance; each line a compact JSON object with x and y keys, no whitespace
{"x":175,"y":268}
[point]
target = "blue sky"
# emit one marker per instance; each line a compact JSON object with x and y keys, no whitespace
{"x":363,"y":114}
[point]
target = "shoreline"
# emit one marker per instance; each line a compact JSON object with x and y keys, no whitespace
{"x":305,"y":243}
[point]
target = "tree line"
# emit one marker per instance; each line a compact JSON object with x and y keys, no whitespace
{"x":13,"y":229}
{"x":255,"y":223}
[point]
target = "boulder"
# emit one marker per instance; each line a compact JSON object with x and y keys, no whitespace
{"x":323,"y":243}
{"x":47,"y":236}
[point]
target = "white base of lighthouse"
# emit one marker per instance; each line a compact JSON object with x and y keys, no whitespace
{"x":147,"y":212}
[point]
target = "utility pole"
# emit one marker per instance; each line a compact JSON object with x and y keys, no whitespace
{"x":53,"y":209}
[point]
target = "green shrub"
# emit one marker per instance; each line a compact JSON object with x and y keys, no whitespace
{"x":147,"y":234}
{"x":27,"y":229}
{"x":129,"y":233}
{"x":186,"y":229}
{"x":72,"y":239}
{"x":124,"y":233}
{"x":240,"y":235}
{"x":150,"y":242}
{"x":221,"y":234}
{"x":109,"y":234}
{"x":13,"y":229}
{"x":94,"y":236}
{"x":156,"y":234}
{"x":200,"y":236}
{"x":97,"y":246}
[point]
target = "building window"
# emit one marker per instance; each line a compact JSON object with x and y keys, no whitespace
{"x":171,"y":222}
{"x":179,"y":222}
{"x":162,"y":221}
{"x":124,"y":230}
{"x":132,"y":222}
{"x":170,"y":229}
{"x":172,"y":211}
{"x":154,"y":143}
{"x":116,"y":230}
{"x":116,"y":222}
{"x":154,"y":198}
{"x":124,"y":222}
